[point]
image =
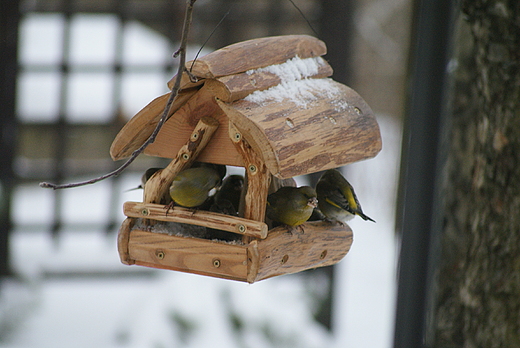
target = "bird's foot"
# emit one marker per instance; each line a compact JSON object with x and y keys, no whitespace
{"x":169,"y":207}
{"x":295,"y":229}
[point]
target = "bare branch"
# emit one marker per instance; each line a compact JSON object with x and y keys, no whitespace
{"x":181,"y":52}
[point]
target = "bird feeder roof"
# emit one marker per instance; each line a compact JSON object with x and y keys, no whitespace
{"x":273,"y":92}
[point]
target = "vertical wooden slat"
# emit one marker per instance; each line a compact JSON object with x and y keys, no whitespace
{"x":258,"y":179}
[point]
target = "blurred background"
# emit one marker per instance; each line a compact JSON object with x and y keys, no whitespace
{"x":77,"y":71}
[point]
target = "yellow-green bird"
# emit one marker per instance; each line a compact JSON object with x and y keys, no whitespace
{"x":220,"y":168}
{"x":336,"y":197}
{"x":291,"y":206}
{"x":191,"y":187}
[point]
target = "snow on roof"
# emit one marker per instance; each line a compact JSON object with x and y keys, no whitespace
{"x":295,"y":85}
{"x":293,"y":69}
{"x":300,"y":92}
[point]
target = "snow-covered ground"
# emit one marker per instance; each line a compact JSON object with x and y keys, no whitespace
{"x":77,"y":293}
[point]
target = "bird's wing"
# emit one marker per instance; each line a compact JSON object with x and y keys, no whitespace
{"x":338,"y":199}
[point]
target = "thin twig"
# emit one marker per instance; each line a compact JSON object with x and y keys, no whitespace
{"x":181,"y":52}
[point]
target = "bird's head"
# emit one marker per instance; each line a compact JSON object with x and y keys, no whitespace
{"x":310,"y":194}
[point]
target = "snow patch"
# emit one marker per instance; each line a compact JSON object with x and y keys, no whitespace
{"x":300,"y":92}
{"x":293,"y":69}
{"x":296,"y":84}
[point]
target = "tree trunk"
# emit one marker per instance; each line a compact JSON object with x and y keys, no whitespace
{"x":478,"y":300}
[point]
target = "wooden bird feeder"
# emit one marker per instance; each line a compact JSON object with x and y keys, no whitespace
{"x":266,"y":105}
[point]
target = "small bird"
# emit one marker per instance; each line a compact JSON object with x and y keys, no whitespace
{"x":146,"y":176}
{"x":191,"y":187}
{"x":226,"y":201}
{"x":336,"y":197}
{"x":290,"y":205}
{"x":220,"y":168}
{"x":230,"y":191}
{"x":223,"y":206}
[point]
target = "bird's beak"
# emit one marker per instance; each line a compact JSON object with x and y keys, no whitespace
{"x":135,"y":188}
{"x":312,"y":202}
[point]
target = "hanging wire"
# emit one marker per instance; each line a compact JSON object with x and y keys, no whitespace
{"x":303,"y":15}
{"x":209,"y":37}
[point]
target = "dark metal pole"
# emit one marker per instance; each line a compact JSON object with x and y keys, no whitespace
{"x":425,"y":129}
{"x":9,"y":17}
{"x":336,"y":27}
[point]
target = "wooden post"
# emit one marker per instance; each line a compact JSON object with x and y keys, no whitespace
{"x":157,"y":187}
{"x":257,"y":179}
{"x":122,"y":241}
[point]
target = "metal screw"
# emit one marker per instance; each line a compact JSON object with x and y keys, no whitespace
{"x":323,"y":254}
{"x":284,"y":259}
{"x":238,"y":136}
{"x":216,"y":263}
{"x":252,"y":168}
{"x":160,"y":254}
{"x":194,"y":136}
{"x":185,"y":156}
{"x":241,"y":228}
{"x":145,"y":212}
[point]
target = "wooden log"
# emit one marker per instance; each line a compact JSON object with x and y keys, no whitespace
{"x":174,"y":132}
{"x":207,"y":219}
{"x":320,"y":124}
{"x":313,"y":244}
{"x":187,"y":254}
{"x":253,"y":261}
{"x":310,"y":245}
{"x":157,"y":187}
{"x":257,"y":178}
{"x":140,"y":127}
{"x":187,"y":81}
{"x":234,"y":87}
{"x":122,"y":241}
{"x":254,"y":54}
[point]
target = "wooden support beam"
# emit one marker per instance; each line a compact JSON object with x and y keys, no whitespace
{"x":204,"y":218}
{"x":258,"y":179}
{"x":156,"y":189}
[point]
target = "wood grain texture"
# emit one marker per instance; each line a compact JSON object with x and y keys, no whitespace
{"x":179,"y":127}
{"x":186,"y":81}
{"x":320,"y":244}
{"x":253,"y":261}
{"x":139,"y":128}
{"x":122,"y":241}
{"x":257,"y":178}
{"x":254,"y":54}
{"x":332,"y":130}
{"x":257,"y":229}
{"x":217,"y":259}
{"x":157,"y":187}
{"x":238,"y":86}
